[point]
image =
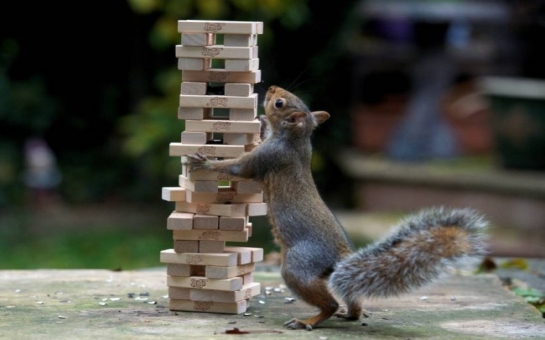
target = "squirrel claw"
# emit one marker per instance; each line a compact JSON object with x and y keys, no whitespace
{"x":297,"y":324}
{"x":196,"y":160}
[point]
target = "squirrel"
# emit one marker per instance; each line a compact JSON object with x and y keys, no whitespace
{"x":318,"y":262}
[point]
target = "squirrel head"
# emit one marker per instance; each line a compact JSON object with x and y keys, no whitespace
{"x":287,"y":112}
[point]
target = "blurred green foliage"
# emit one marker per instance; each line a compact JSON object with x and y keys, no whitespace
{"x":111,"y":136}
{"x":153,"y":125}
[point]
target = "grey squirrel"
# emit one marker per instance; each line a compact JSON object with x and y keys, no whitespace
{"x":317,"y":258}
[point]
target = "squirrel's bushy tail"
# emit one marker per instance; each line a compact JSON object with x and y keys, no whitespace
{"x":419,"y":251}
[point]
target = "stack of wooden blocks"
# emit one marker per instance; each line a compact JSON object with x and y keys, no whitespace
{"x":219,"y":107}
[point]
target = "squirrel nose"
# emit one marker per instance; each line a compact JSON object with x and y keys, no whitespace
{"x":272,"y":88}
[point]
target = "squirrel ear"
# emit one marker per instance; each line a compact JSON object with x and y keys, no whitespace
{"x":320,"y":116}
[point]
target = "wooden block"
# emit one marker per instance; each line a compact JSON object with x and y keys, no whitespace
{"x":207,"y":175}
{"x":225,"y":126}
{"x":243,"y":114}
{"x":244,"y":254}
{"x":223,"y":27}
{"x":207,"y":101}
{"x":238,"y":138}
{"x":197,"y":39}
{"x":240,"y":39}
{"x":213,"y":209}
{"x":232,"y":223}
{"x":217,"y":272}
{"x":193,"y":88}
{"x":180,"y":221}
{"x":198,"y":185}
{"x":246,"y":292}
{"x":254,"y":209}
{"x":176,"y":269}
{"x":247,"y":187}
{"x":173,"y":194}
{"x":217,"y":52}
{"x":194,"y":113}
{"x":211,"y":246}
{"x":257,"y":253}
{"x":229,"y":151}
{"x":208,"y":306}
{"x":249,"y":226}
{"x":186,"y":246}
{"x":201,"y":295}
{"x":224,"y":259}
{"x":194,"y":64}
{"x":205,"y":222}
{"x":223,"y":196}
{"x":195,"y":137}
{"x":201,"y":282}
{"x":241,"y":65}
{"x":222,"y":76}
{"x":211,"y":235}
{"x":238,"y":90}
{"x":178,"y":293}
{"x":247,"y":278}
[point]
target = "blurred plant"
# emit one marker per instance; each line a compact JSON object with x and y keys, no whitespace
{"x":153,"y":125}
{"x":25,"y":110}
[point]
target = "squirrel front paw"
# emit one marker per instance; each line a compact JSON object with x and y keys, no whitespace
{"x":196,"y":161}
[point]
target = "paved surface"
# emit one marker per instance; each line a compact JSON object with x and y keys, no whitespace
{"x":95,"y":304}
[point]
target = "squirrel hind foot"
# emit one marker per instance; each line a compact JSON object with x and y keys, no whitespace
{"x":353,"y":314}
{"x":298,"y":324}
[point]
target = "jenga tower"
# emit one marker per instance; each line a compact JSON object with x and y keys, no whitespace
{"x":219,"y":107}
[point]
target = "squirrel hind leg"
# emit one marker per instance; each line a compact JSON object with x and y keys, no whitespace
{"x":316,"y":294}
{"x":354,"y":311}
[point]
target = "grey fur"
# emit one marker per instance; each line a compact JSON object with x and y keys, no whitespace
{"x":382,"y":270}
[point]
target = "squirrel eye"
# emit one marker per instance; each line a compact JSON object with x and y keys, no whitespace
{"x":279,"y":103}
